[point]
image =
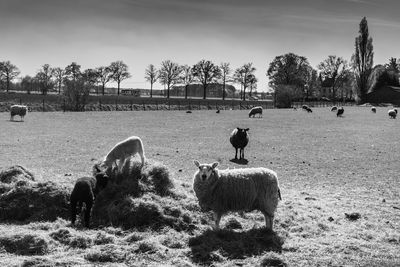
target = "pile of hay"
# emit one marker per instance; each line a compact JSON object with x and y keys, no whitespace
{"x":23,"y":199}
{"x":140,"y":197}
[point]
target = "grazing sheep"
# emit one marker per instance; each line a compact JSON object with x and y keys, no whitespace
{"x":85,"y":191}
{"x":123,"y":150}
{"x":236,"y":190}
{"x":373,"y":109}
{"x":305,"y":107}
{"x":239,"y":140}
{"x":340,"y":112}
{"x":309,"y":110}
{"x":334,"y":108}
{"x":256,"y":110}
{"x":392,"y":113}
{"x":218,"y":111}
{"x":18,"y":110}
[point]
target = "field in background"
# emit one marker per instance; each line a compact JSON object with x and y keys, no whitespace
{"x":327,"y":167}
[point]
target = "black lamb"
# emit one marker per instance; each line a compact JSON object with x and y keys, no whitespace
{"x":239,"y":140}
{"x":85,"y":191}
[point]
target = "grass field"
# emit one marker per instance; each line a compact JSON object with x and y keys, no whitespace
{"x":327,"y":167}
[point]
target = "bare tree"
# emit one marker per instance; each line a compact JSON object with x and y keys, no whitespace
{"x":186,"y":77}
{"x":104,"y":75}
{"x":8,"y":72}
{"x":59,"y":74}
{"x":245,"y":75}
{"x":44,"y":77}
{"x":151,"y":75}
{"x":363,"y":60}
{"x":119,"y":72}
{"x":334,"y":70}
{"x":169,"y":74}
{"x":225,"y":71}
{"x":206,"y":72}
{"x":252,"y":80}
{"x":91,"y":78}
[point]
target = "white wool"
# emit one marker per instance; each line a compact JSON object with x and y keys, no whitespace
{"x":124,"y":149}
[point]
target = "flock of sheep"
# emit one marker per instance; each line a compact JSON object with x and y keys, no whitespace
{"x":220,"y":191}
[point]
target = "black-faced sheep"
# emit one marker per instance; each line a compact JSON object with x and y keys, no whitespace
{"x":305,"y":107}
{"x":309,"y":110}
{"x":85,"y":191}
{"x":340,"y":112}
{"x":256,"y":110}
{"x":124,"y":149}
{"x":239,"y":139}
{"x":19,"y":110}
{"x":236,"y":190}
{"x":392,"y":113}
{"x":334,"y":108}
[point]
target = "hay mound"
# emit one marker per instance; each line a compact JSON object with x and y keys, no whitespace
{"x":24,"y":244}
{"x":34,"y":202}
{"x":16,"y":174}
{"x":139,"y":197}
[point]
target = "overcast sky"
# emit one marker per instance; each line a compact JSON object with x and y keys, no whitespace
{"x":95,"y":33}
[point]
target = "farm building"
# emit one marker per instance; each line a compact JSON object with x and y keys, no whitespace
{"x":385,"y":94}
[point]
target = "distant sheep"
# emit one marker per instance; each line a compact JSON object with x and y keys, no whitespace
{"x":239,"y":139}
{"x":392,"y":113}
{"x":334,"y":108}
{"x":340,"y":112}
{"x":85,"y":191}
{"x":19,"y":110}
{"x":309,"y":110}
{"x":306,"y":108}
{"x":256,"y":110}
{"x":236,"y":190}
{"x":373,"y":109}
{"x":123,"y":150}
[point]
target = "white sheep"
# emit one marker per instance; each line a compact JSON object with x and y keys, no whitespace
{"x":19,"y":110}
{"x":392,"y":113}
{"x":236,"y":190}
{"x":256,"y":110}
{"x":123,"y":150}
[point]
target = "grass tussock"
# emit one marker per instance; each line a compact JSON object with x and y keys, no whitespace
{"x":107,"y":253}
{"x":35,"y":202}
{"x":15,"y":174}
{"x":140,"y":197}
{"x":25,"y":244}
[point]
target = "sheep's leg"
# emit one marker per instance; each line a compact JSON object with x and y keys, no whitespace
{"x":142,"y":158}
{"x":87,"y":212}
{"x":269,"y":220}
{"x":236,"y":153}
{"x":217,"y":219}
{"x":73,"y":212}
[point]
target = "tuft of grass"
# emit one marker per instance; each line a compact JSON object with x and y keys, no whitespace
{"x":134,"y":237}
{"x":62,"y":235}
{"x":103,"y":238}
{"x":148,"y":247}
{"x":272,"y":259}
{"x":25,"y":244}
{"x":107,"y":253}
{"x":82,"y":242}
{"x":157,"y":177}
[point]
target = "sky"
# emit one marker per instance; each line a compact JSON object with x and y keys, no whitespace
{"x":95,"y":33}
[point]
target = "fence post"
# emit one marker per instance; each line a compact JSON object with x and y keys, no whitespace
{"x":43,"y":104}
{"x":131,"y":105}
{"x":157,"y":105}
{"x":169,"y":104}
{"x":100,"y":104}
{"x":144,"y":106}
{"x":64,"y":105}
{"x":116,"y":104}
{"x":179,"y":105}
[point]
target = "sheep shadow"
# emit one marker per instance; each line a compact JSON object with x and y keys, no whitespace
{"x":14,"y":121}
{"x":240,"y":161}
{"x":211,"y":245}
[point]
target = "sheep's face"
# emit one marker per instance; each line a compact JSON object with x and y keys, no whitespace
{"x":242,"y":133}
{"x":205,"y":170}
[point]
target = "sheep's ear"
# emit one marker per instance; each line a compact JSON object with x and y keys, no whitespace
{"x":246,"y":129}
{"x":238,"y":128}
{"x":214,"y":165}
{"x":196,"y":163}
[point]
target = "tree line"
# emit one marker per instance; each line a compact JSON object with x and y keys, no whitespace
{"x":291,"y":76}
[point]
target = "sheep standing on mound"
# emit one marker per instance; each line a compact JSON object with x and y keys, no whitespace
{"x":123,"y":150}
{"x":236,"y":190}
{"x":18,"y":110}
{"x":340,"y":112}
{"x":85,"y":191}
{"x":239,"y":140}
{"x":256,"y":110}
{"x":373,"y":109}
{"x":392,"y":113}
{"x":334,"y":108}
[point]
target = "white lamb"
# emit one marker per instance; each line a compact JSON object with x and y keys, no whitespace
{"x":123,"y":150}
{"x":236,"y":190}
{"x":19,"y":110}
{"x":392,"y":113}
